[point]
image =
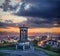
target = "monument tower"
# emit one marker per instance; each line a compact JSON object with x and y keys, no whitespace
{"x":23,"y":42}
{"x":23,"y":33}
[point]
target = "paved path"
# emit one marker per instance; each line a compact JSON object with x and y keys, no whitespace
{"x":24,"y":53}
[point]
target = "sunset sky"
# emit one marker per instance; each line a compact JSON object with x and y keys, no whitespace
{"x":39,"y":15}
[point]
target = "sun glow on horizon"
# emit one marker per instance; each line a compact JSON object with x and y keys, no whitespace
{"x":32,"y":30}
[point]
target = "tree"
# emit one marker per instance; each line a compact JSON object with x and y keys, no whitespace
{"x":48,"y":47}
{"x":34,"y":42}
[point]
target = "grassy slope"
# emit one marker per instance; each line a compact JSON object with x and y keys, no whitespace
{"x":2,"y":54}
{"x":50,"y":53}
{"x":8,"y":48}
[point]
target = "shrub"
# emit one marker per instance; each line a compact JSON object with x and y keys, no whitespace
{"x":48,"y":47}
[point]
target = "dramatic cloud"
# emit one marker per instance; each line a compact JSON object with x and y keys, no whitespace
{"x":35,"y":8}
{"x":40,"y":8}
{"x":43,"y":22}
{"x":36,"y":13}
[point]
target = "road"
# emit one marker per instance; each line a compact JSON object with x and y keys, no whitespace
{"x":24,"y":53}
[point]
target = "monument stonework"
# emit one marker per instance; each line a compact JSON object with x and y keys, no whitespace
{"x":23,"y":42}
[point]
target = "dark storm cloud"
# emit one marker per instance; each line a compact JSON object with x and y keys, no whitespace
{"x":1,"y":25}
{"x":35,"y":22}
{"x":43,"y":22}
{"x":38,"y":22}
{"x":41,"y":8}
{"x":4,"y":25}
{"x":42,"y":13}
{"x":38,"y":8}
{"x":6,"y":6}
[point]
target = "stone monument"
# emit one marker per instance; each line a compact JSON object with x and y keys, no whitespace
{"x":23,"y":42}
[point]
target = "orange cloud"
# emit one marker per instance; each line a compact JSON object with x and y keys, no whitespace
{"x":32,"y":30}
{"x":9,"y":29}
{"x":43,"y":30}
